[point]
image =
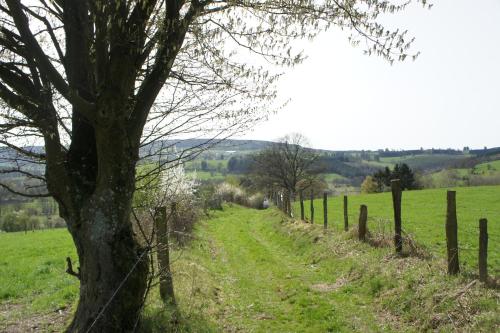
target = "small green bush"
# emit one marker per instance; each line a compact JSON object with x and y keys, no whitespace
{"x":231,"y":193}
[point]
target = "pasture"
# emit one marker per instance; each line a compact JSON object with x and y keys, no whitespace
{"x":34,"y":288}
{"x":252,"y":270}
{"x":489,"y":166}
{"x":423,"y":215}
{"x":425,"y":160}
{"x":330,"y":177}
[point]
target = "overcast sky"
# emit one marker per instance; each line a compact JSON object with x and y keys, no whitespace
{"x":448,"y":98}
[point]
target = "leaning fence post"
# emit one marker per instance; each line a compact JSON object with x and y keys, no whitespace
{"x":452,"y":234}
{"x":346,"y":216}
{"x":483,"y":250}
{"x":301,"y":197}
{"x":396,"y":202}
{"x":312,"y":207}
{"x":166,"y":284}
{"x":325,"y":210}
{"x":363,"y":217}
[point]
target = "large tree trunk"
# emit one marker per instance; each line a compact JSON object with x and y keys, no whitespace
{"x":97,"y":209}
{"x":113,"y":269}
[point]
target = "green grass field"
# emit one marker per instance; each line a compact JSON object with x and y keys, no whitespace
{"x":329,"y":177}
{"x":33,"y":281}
{"x":424,"y":161}
{"x":211,"y":164}
{"x":442,"y":173}
{"x":378,"y":164}
{"x":256,"y":271}
{"x":489,"y":166}
{"x":423,"y":215}
{"x":206,"y":175}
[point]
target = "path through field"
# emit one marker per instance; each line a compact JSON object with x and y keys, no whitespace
{"x":250,"y":272}
{"x":266,"y":281}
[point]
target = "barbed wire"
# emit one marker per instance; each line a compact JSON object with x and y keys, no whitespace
{"x":99,"y":315}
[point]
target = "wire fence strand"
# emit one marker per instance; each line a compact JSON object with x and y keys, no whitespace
{"x":99,"y":315}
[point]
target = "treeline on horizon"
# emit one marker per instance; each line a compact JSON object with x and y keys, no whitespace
{"x":248,"y":145}
{"x":353,"y":166}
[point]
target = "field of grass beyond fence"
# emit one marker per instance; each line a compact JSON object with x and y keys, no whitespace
{"x":424,"y":216}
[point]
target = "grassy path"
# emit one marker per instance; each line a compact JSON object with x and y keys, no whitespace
{"x":269,"y":281}
{"x":249,"y":272}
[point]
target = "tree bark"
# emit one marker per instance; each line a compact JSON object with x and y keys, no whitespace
{"x":95,"y":199}
{"x":113,"y":268}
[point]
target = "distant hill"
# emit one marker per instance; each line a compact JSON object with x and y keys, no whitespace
{"x":229,"y":144}
{"x":351,"y":164}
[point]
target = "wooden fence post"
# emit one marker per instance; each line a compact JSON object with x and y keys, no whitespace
{"x":301,"y":197}
{"x":289,"y":203}
{"x":312,"y":207}
{"x":483,"y":250}
{"x":166,"y":284}
{"x":452,"y":234}
{"x":396,"y":202}
{"x":363,"y":217}
{"x":325,"y":210}
{"x":346,"y":216}
{"x":285,"y":203}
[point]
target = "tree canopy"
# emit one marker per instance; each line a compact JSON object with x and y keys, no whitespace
{"x":400,"y":171}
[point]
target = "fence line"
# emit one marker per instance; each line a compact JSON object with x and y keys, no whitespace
{"x":453,"y":230}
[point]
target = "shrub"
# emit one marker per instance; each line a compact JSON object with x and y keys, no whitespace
{"x":256,"y":201}
{"x":231,"y":193}
{"x":163,"y":190}
{"x":13,"y":222}
{"x":8,"y":223}
{"x":56,"y":222}
{"x":369,"y":185}
{"x":34,"y":223}
{"x":479,"y":180}
{"x":209,"y":200}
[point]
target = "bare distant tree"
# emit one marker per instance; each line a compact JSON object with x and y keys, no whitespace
{"x":101,"y":82}
{"x":286,"y":163}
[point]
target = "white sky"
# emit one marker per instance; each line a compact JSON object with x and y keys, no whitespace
{"x":448,"y":98}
